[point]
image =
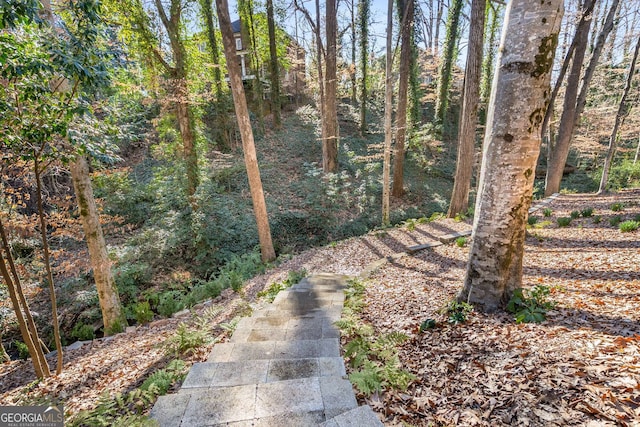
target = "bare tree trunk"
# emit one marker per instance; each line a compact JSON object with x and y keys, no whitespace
{"x":47,"y":263}
{"x":406,"y":9}
{"x":510,"y":151}
{"x":354,"y":80}
{"x":221,"y":132}
{"x":595,"y":58}
{"x":469,"y":117}
{"x":248,"y":145}
{"x":364,"y":8}
{"x":487,"y":66}
{"x":113,"y":317}
{"x":448,"y":59}
{"x":623,"y":112}
{"x":436,"y":39}
{"x":330,"y":141}
{"x":388,"y":95}
{"x":273,"y":67}
{"x":26,"y":323}
{"x":560,"y":152}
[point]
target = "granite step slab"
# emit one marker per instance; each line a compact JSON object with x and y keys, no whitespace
{"x":362,"y":416}
{"x":298,"y":349}
{"x":308,"y":401}
{"x":278,"y":328}
{"x":225,"y":374}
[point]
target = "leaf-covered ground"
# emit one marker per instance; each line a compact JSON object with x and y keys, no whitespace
{"x":580,"y":367}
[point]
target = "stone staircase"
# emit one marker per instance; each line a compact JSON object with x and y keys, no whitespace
{"x":282,"y":367}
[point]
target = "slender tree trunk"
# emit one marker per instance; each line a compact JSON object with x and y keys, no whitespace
{"x":510,"y":151}
{"x":469,"y":117}
{"x":388,"y":96}
{"x":47,"y":263}
{"x":595,"y":58}
{"x":560,"y":152}
{"x":489,"y":59}
{"x":330,"y":142}
{"x":363,"y":18}
{"x":406,"y":11}
{"x":113,"y":317}
{"x":221,"y":132}
{"x":623,"y":112}
{"x":26,"y":323}
{"x":178,"y":73}
{"x":273,"y":67}
{"x":248,"y":145}
{"x":448,"y":59}
{"x":354,"y":80}
{"x":436,"y":39}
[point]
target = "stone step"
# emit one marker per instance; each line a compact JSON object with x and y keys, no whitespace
{"x":225,"y":374}
{"x":259,"y":350}
{"x":332,"y":312}
{"x":279,"y":328}
{"x":299,"y":402}
{"x":362,"y":416}
{"x":323,"y":297}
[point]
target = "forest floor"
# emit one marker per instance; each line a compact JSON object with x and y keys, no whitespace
{"x":579,"y":367}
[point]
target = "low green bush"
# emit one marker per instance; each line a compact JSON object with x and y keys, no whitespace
{"x":83,"y":332}
{"x":547,"y":212}
{"x":170,"y":302}
{"x":616,"y":207}
{"x":563,"y":221}
{"x":587,"y":212}
{"x":614,"y":221}
{"x":530,"y":305}
{"x":532,"y":220}
{"x":142,"y":312}
{"x":575,"y":214}
{"x":628,"y":226}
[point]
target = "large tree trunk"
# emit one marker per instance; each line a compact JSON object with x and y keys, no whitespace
{"x":405,"y":9}
{"x":363,"y":18}
{"x":448,"y":59}
{"x":623,"y":111}
{"x":273,"y":67}
{"x":113,"y":317}
{"x":469,"y":117}
{"x":246,"y":133}
{"x":330,"y":140}
{"x":560,"y":152}
{"x":354,"y":80}
{"x":388,"y":95}
{"x":511,"y":148}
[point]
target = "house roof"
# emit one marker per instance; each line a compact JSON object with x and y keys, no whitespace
{"x":235,"y":26}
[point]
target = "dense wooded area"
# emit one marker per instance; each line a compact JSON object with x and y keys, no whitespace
{"x":156,"y":153}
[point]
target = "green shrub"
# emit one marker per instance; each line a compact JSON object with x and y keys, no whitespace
{"x":170,"y":302}
{"x":131,"y":279}
{"x":457,"y":312}
{"x":186,"y":340}
{"x":575,"y":214}
{"x":617,"y":207}
{"x":636,"y":218}
{"x":530,"y":306}
{"x":564,"y":221}
{"x":628,"y":226}
{"x":461,"y":241}
{"x":586,"y":212}
{"x":23,"y":350}
{"x":83,"y":332}
{"x":142,"y":312}
{"x":547,"y":212}
{"x":614,"y":221}
{"x":624,"y":175}
{"x":597,"y":219}
{"x":532,"y":220}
